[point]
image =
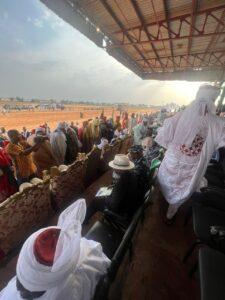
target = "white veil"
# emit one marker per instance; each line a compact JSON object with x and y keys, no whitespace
{"x":194,"y":117}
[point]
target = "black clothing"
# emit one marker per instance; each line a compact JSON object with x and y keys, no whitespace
{"x":215,"y":173}
{"x":124,"y":199}
{"x":141,"y":172}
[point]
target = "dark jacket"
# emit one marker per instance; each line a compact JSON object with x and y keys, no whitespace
{"x":124,"y":198}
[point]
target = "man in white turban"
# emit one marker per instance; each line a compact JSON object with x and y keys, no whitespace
{"x":190,"y":138}
{"x":55,"y":263}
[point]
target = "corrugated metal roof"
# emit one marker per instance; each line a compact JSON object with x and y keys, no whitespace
{"x":157,"y":39}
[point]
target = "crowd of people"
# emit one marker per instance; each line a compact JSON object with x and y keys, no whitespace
{"x":25,"y":155}
{"x":55,"y":262}
{"x":59,"y":263}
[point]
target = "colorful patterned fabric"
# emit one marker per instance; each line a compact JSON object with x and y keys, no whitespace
{"x":195,"y":148}
{"x":23,"y":164}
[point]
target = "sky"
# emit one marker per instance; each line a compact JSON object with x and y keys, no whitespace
{"x":41,"y":56}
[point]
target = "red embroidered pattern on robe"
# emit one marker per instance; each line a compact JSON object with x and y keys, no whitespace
{"x":195,"y":148}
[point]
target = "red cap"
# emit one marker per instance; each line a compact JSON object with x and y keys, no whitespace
{"x":45,"y":245}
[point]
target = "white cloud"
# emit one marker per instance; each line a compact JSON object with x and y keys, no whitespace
{"x":38,"y":23}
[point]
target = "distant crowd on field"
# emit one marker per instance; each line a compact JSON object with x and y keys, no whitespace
{"x":25,"y":155}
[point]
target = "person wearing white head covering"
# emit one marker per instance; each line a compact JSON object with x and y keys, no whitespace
{"x":56,"y":263}
{"x":58,"y":143}
{"x":104,"y":142}
{"x":190,"y":138}
{"x":140,"y":131}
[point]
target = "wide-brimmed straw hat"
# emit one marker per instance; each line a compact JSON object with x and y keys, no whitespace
{"x":121,"y":162}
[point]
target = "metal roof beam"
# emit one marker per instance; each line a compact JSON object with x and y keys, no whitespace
{"x":143,"y":23}
{"x":199,"y":35}
{"x":207,"y":11}
{"x":196,"y":55}
{"x":193,"y":19}
{"x":166,"y":11}
{"x":120,"y":24}
{"x":190,"y":75}
{"x":222,"y":52}
{"x":213,"y":39}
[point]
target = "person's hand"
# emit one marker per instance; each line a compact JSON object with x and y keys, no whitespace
{"x":1,"y":173}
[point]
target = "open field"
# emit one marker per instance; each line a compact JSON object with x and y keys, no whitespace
{"x":32,"y":119}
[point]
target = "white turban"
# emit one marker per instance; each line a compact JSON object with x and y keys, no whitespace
{"x":35,"y":276}
{"x":207,"y":92}
{"x":61,"y":125}
{"x":194,"y":118}
{"x":40,"y":129}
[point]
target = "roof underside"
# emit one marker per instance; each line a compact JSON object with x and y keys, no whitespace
{"x":156,"y":39}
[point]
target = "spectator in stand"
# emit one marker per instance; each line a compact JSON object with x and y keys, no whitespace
{"x":132,"y":123}
{"x":125,"y":121}
{"x":47,"y":130}
{"x":95,"y":131}
{"x":141,"y":170}
{"x":103,"y":128}
{"x":57,"y":263}
{"x":43,"y":157}
{"x":117,"y":123}
{"x":103,"y":143}
{"x":81,"y":131}
{"x":190,"y":137}
{"x":118,"y":132}
{"x":110,"y":129}
{"x":140,"y":131}
{"x":87,"y":137}
{"x":58,"y":143}
{"x":74,"y":127}
{"x":123,"y":198}
{"x":73,"y":145}
{"x":147,"y":142}
{"x":25,"y":133}
{"x":8,"y":184}
{"x":20,"y":153}
{"x":151,"y":152}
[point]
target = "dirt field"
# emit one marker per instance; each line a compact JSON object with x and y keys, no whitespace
{"x":32,"y":119}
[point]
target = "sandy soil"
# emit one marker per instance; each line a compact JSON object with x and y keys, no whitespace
{"x":32,"y":119}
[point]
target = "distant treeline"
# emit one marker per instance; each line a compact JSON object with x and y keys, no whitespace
{"x":73,"y":102}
